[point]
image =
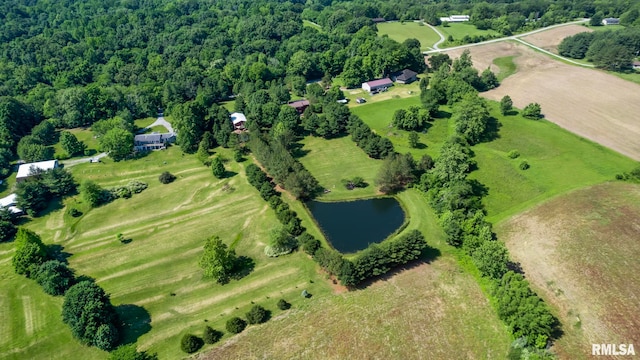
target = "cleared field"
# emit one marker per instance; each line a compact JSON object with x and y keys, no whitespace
{"x":550,"y":39}
{"x":397,"y":91}
{"x":580,"y":251}
{"x":154,"y":280}
{"x":330,"y":161}
{"x":400,"y":32}
{"x":591,"y":103}
{"x":459,"y":30}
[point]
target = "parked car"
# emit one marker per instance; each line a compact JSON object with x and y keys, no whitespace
{"x":343,"y":101}
{"x":361,"y":100}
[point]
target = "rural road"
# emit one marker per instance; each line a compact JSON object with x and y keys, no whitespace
{"x":516,"y":38}
{"x":68,"y":163}
{"x":160,"y":121}
{"x":435,"y":46}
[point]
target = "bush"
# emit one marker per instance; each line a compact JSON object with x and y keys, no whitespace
{"x":7,"y":230}
{"x":54,"y":277}
{"x":166,"y":177}
{"x":283,"y":304}
{"x":136,"y":186}
{"x":309,"y":243}
{"x":190,"y":343}
{"x":524,"y":165}
{"x":513,"y":154}
{"x":211,"y":336}
{"x":106,"y":337}
{"x":236,"y":325}
{"x":257,"y":315}
{"x":74,"y":212}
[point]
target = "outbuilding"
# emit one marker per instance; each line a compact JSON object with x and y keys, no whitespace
{"x":406,"y":76}
{"x":27,"y":170}
{"x":376,"y":85}
{"x":611,"y":21}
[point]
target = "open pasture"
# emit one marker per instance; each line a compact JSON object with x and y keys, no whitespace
{"x":579,"y":251}
{"x":401,"y":31}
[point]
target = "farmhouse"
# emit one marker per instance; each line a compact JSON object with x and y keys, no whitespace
{"x":406,"y":76}
{"x":9,"y":202}
{"x":300,"y":105}
{"x":610,"y":21}
{"x":238,"y":120}
{"x":375,"y":85}
{"x":155,"y":141}
{"x":455,"y":18}
{"x":26,"y":170}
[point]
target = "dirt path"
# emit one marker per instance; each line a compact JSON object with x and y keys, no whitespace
{"x":591,"y":103}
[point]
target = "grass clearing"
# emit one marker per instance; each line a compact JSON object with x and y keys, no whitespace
{"x":401,"y":31}
{"x":506,"y":65}
{"x":310,"y":24}
{"x":397,"y":92}
{"x":462,"y":29}
{"x":578,"y":251}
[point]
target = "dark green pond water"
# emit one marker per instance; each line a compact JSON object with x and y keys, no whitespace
{"x":352,"y":225}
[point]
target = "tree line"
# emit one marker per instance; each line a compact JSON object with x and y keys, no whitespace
{"x":611,"y":50}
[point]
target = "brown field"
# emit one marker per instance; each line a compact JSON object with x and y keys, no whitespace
{"x":580,"y":251}
{"x":550,"y":39}
{"x":430,"y":311}
{"x":590,"y":103}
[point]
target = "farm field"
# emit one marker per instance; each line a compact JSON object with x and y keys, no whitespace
{"x":168,"y":225}
{"x":602,"y":110}
{"x":578,"y":250}
{"x":550,"y":39}
{"x":401,"y":31}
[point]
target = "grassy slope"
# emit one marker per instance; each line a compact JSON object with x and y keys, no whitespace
{"x":400,"y":32}
{"x":168,"y":225}
{"x":560,"y":161}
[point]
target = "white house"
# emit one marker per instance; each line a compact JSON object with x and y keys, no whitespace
{"x":238,"y":120}
{"x":455,"y":18}
{"x":153,"y":141}
{"x":377,"y":84}
{"x":611,"y":21}
{"x":9,"y":202}
{"x":26,"y":170}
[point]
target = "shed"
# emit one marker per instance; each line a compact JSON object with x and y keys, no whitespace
{"x":299,"y":105}
{"x":611,"y":21}
{"x":406,"y":76}
{"x":26,"y":170}
{"x":375,"y":85}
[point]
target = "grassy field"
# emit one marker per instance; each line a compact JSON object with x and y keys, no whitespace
{"x":459,"y":30}
{"x":560,"y":161}
{"x":310,"y":24}
{"x":397,"y":91}
{"x":401,"y":31}
{"x":330,"y":161}
{"x":157,"y":272}
{"x":578,"y":251}
{"x":506,"y":65}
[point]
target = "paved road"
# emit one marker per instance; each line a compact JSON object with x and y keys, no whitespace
{"x":68,"y":163}
{"x":161,"y":122}
{"x":516,"y":38}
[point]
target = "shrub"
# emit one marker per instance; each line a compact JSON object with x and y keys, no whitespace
{"x":532,"y":111}
{"x":283,"y":304}
{"x":54,"y":277}
{"x":235,"y":325}
{"x":74,"y":212}
{"x":513,"y":154}
{"x":136,"y":186}
{"x":7,"y":230}
{"x":166,"y":177}
{"x":237,"y":155}
{"x":309,"y":243}
{"x":106,"y":337}
{"x":190,"y":343}
{"x":257,"y":315}
{"x":211,"y":336}
{"x":524,"y":165}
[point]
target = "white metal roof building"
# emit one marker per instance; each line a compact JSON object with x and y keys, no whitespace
{"x":25,"y":170}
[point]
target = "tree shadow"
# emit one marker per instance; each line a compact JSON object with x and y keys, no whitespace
{"x":244,"y":266}
{"x":229,"y":174}
{"x":478,"y":188}
{"x":516,"y":267}
{"x":135,"y":321}
{"x":511,"y":113}
{"x":54,"y":205}
{"x":55,"y":252}
{"x":426,"y":257}
{"x":441,"y":114}
{"x":492,"y":130}
{"x":297,"y":150}
{"x":420,"y":146}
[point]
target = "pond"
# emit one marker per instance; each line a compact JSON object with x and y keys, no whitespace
{"x":351,"y":226}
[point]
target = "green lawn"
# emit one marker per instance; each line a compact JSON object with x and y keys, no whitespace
{"x":157,"y":129}
{"x":401,"y":31}
{"x":459,"y":30}
{"x":506,"y":65}
{"x":330,"y":161}
{"x":168,"y":225}
{"x":310,"y":24}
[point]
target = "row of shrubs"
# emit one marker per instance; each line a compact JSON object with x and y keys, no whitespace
{"x":86,"y":309}
{"x":257,"y":315}
{"x":374,"y":145}
{"x":462,"y":217}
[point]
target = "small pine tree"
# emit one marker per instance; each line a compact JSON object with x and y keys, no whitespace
{"x":257,"y":315}
{"x":414,"y":139}
{"x":217,"y":167}
{"x":506,"y":104}
{"x":211,"y":336}
{"x":190,"y":343}
{"x":283,"y":304}
{"x":235,"y":325}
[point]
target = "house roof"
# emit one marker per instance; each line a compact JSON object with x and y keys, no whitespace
{"x":8,"y":200}
{"x":299,"y":103}
{"x":238,"y":118}
{"x":152,"y":138}
{"x":611,"y":20}
{"x":25,"y":169}
{"x":378,"y":20}
{"x":379,"y":82}
{"x":406,"y":74}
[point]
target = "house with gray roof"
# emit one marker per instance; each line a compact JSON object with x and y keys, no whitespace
{"x":153,"y":141}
